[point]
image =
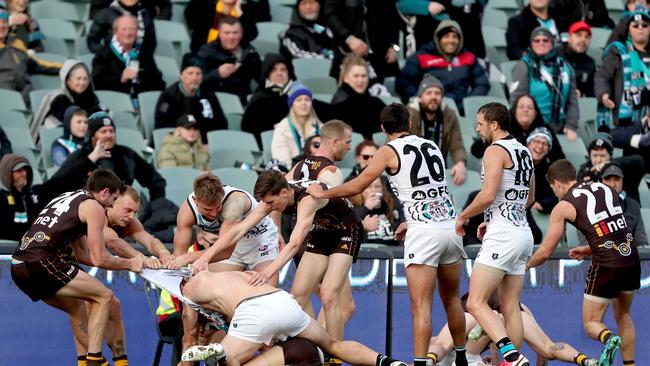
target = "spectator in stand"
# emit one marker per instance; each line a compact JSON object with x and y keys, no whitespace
{"x":352,"y":102}
{"x":307,"y":36}
{"x":230,"y":64}
{"x":204,"y":17}
{"x":101,"y":150}
{"x":368,"y":29}
{"x":119,"y":66}
{"x":600,"y":153}
{"x":312,"y":143}
{"x":520,"y":27}
{"x":539,"y":142}
{"x":76,"y":89}
{"x":102,"y":30}
{"x":183,"y":148}
{"x":575,"y":52}
{"x":363,"y":153}
{"x":289,"y":135}
{"x":614,"y":177}
{"x":75,"y":126}
{"x":550,"y":80}
{"x":634,"y":139}
{"x":16,"y":64}
{"x":624,"y":74}
{"x":161,"y":9}
{"x":381,"y":213}
{"x":446,"y":59}
{"x":593,"y":12}
{"x":5,"y":144}
{"x":190,"y":95}
{"x":433,"y":121}
{"x":18,"y":207}
{"x":23,"y":26}
{"x":526,"y":117}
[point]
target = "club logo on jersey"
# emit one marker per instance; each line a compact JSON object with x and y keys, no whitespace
{"x":418,"y":195}
{"x":605,"y":227}
{"x":431,"y":193}
{"x":514,"y":194}
{"x":624,"y":248}
{"x":495,"y":256}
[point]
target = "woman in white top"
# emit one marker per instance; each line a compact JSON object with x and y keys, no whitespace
{"x":289,"y":134}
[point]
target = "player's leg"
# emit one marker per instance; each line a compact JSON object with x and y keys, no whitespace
{"x":441,"y":344}
{"x":270,"y":357}
{"x":337,"y":272}
{"x":190,"y":321}
{"x":309,"y":273}
{"x":593,"y":312}
{"x":115,"y":334}
{"x":621,"y":306}
{"x":448,"y":288}
{"x":509,"y":296}
{"x":78,"y":316}
{"x":420,"y":281}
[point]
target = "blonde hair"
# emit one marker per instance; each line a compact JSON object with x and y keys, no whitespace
{"x":348,"y":62}
{"x":208,"y":188}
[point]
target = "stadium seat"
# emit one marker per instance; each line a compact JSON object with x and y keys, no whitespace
{"x":321,"y":85}
{"x":588,"y":108}
{"x":379,"y":138}
{"x":450,"y":103}
{"x":323,"y":97}
{"x":234,"y":121}
{"x":349,"y":160}
{"x":389,"y":83}
{"x":54,"y":10}
{"x":267,"y":40}
{"x":575,"y":151}
{"x":179,"y":177}
{"x":126,"y":119}
{"x":571,"y":238}
{"x":230,"y":103}
{"x":645,"y":214}
{"x":226,"y":139}
{"x":615,"y":10}
{"x":467,"y":126}
{"x":40,"y":81}
{"x":497,"y":90}
{"x":238,"y":178}
{"x":168,"y":67}
{"x":506,"y":69}
{"x":227,"y":158}
{"x":495,"y":18}
{"x":510,"y":7}
{"x":60,"y":36}
{"x":281,"y":13}
{"x":345,"y":172}
{"x":87,"y":59}
{"x":472,"y":104}
{"x":19,"y":137}
{"x":115,"y":101}
{"x":644,"y":194}
{"x":178,"y":195}
{"x":34,"y":161}
{"x":134,"y":140}
{"x":389,"y":99}
{"x":52,"y":57}
{"x":541,"y":219}
{"x":47,"y":137}
{"x":12,"y":100}
{"x":35,"y":98}
{"x":159,"y":136}
{"x":597,"y":54}
{"x":51,"y":171}
{"x":148,"y":102}
{"x":172,"y":38}
{"x":473,"y":163}
{"x":599,"y":37}
{"x":13,"y":119}
{"x":306,"y":68}
{"x":460,"y":193}
{"x":267,"y":137}
{"x":495,"y":44}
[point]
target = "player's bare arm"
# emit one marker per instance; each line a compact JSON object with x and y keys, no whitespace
{"x":92,"y":213}
{"x":150,"y":242}
{"x":385,"y":158}
{"x":332,"y":176}
{"x":184,"y":223}
{"x":306,"y":211}
{"x":563,"y":211}
{"x":494,"y":161}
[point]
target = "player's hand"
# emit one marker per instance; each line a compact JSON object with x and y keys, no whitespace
{"x":460,"y":222}
{"x":315,"y":190}
{"x":136,"y":264}
{"x":177,"y":262}
{"x":371,"y":222}
{"x":199,"y":265}
{"x":165,"y":258}
{"x":459,"y":171}
{"x":480,"y":231}
{"x":257,"y":278}
{"x":571,"y":135}
{"x":400,"y":233}
{"x":579,"y":253}
{"x":151,"y":262}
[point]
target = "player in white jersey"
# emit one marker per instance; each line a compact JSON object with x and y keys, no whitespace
{"x":215,"y":209}
{"x":508,"y":189}
{"x":416,"y":171}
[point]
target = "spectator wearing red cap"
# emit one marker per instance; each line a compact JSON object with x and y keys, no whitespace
{"x":575,"y":51}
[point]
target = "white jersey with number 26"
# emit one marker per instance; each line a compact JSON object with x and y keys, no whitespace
{"x":420,"y":183}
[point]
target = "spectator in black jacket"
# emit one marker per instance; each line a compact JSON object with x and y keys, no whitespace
{"x":575,"y":51}
{"x":18,"y":207}
{"x":102,"y":151}
{"x":190,"y":96}
{"x":634,"y":139}
{"x":307,"y":36}
{"x":614,"y":177}
{"x":593,"y":12}
{"x":230,"y":64}
{"x":161,"y":9}
{"x":100,"y":33}
{"x":204,"y":17}
{"x":120,"y":67}
{"x":5,"y":144}
{"x":520,"y":27}
{"x":539,"y":142}
{"x":366,"y":28}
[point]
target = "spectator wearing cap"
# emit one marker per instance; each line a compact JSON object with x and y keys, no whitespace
{"x":540,"y":142}
{"x":614,"y":177}
{"x":623,"y":75}
{"x":101,"y":150}
{"x":230,"y":64}
{"x":120,"y":66}
{"x":75,"y":125}
{"x":549,"y":79}
{"x":190,"y":95}
{"x":307,"y":35}
{"x":289,"y":134}
{"x":520,"y":27}
{"x":18,"y":208}
{"x":600,"y":154}
{"x":446,"y":59}
{"x":431,"y":119}
{"x":183,"y":148}
{"x":575,"y":52}
{"x":568,"y":12}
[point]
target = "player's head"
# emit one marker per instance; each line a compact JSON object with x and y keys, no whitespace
{"x":395,"y":118}
{"x":338,"y":135}
{"x":492,"y":117}
{"x":125,"y":207}
{"x":104,"y":186}
{"x":561,"y":176}
{"x":208,"y":194}
{"x":272,"y":188}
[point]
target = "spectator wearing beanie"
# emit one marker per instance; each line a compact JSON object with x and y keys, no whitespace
{"x":183,"y":148}
{"x":101,"y":150}
{"x":446,"y":59}
{"x":190,"y":95}
{"x":307,"y":36}
{"x":432,"y":120}
{"x":575,"y":52}
{"x":289,"y":135}
{"x":540,"y":142}
{"x":75,"y":125}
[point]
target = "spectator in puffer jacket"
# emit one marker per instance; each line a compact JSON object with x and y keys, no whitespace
{"x":446,"y":59}
{"x":183,"y":148}
{"x":307,"y":36}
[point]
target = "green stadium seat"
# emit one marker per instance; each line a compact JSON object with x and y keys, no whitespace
{"x":497,"y":90}
{"x":234,"y":121}
{"x":599,"y":37}
{"x":230,"y":103}
{"x":132,"y":139}
{"x":238,"y":178}
{"x":115,"y":101}
{"x":60,"y":36}
{"x":506,"y":69}
{"x":306,"y":68}
{"x":379,"y":138}
{"x":19,"y":137}
{"x":321,"y":85}
{"x":179,"y":176}
{"x":227,"y":158}
{"x":473,"y":163}
{"x":46,"y":137}
{"x":450,"y":103}
{"x":267,"y":138}
{"x":281,"y":13}
{"x":472,"y":104}
{"x":226,"y":139}
{"x":172,"y":39}
{"x":148,"y":102}
{"x":40,"y":81}
{"x":159,"y":136}
{"x":87,"y":59}
{"x":168,"y":67}
{"x":12,"y":100}
{"x":13,"y":119}
{"x":460,"y":193}
{"x":267,"y":40}
{"x":495,"y":18}
{"x":575,"y":151}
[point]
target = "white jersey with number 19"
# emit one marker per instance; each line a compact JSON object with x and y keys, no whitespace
{"x":420,"y":183}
